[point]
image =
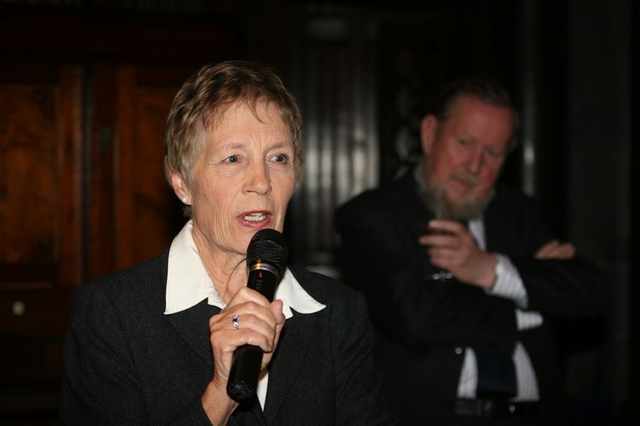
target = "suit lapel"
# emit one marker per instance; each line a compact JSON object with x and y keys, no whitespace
{"x":287,"y":361}
{"x":498,"y":231}
{"x":193,"y":326}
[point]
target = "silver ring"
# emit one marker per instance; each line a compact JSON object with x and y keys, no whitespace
{"x":234,"y":321}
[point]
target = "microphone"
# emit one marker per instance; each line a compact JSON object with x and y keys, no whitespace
{"x":266,"y":261}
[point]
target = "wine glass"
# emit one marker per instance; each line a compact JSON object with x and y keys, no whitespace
{"x":437,"y":274}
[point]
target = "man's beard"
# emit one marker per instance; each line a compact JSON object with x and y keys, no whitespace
{"x":444,"y":208}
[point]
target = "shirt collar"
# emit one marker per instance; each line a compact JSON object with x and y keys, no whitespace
{"x":188,"y":282}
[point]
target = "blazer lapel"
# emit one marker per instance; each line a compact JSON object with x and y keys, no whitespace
{"x":193,"y":326}
{"x":287,"y":361}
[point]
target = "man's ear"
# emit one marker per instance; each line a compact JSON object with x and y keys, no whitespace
{"x":428,"y":129}
{"x":180,"y":187}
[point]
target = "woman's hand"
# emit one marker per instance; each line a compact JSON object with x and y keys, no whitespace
{"x":259,"y":323}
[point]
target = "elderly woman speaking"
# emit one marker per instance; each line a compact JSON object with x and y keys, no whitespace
{"x":155,"y":344}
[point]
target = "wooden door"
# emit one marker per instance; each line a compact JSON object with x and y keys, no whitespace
{"x":148,"y":214}
{"x":82,"y":194}
{"x":132,"y":212}
{"x":40,"y":228}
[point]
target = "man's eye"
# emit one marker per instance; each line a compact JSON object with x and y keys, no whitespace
{"x":232,"y":159}
{"x":492,"y":153}
{"x":463,"y":142}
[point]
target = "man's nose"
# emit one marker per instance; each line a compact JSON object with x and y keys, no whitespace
{"x":476,"y":160}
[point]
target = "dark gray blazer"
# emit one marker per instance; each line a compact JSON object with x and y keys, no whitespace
{"x":423,"y":327}
{"x":128,"y":363}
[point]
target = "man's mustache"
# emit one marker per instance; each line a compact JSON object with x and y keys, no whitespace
{"x":466,"y":177}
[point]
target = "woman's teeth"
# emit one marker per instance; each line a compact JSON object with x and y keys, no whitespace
{"x":255,"y":217}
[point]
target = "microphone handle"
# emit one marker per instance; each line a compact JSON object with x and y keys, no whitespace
{"x":247,"y":359}
{"x":243,"y":377}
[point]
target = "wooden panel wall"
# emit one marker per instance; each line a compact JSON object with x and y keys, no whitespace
{"x":40,"y":232}
{"x":84,"y":95}
{"x":147,"y":210}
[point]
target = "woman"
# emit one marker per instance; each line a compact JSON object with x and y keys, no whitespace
{"x":154,"y":344}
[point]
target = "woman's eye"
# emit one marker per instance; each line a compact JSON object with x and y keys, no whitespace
{"x":280,"y":158}
{"x":232,"y":159}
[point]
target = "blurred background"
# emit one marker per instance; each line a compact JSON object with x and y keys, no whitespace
{"x":86,"y":85}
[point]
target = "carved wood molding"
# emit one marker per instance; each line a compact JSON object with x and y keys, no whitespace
{"x":83,"y":34}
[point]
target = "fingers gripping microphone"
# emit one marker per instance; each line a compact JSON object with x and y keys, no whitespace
{"x":266,"y":260}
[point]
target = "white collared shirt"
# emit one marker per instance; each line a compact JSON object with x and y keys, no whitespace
{"x":188,"y":284}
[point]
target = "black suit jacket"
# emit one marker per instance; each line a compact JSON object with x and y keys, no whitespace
{"x":128,"y":363}
{"x":423,"y":327}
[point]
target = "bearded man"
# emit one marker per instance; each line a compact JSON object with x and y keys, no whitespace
{"x":462,"y":275}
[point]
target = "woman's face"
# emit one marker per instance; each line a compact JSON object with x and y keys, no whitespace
{"x":242,"y":180}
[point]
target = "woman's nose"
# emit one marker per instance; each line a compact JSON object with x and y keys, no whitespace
{"x":258,"y":180}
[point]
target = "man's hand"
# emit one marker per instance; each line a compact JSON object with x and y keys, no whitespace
{"x":554,"y":250}
{"x":452,"y":247}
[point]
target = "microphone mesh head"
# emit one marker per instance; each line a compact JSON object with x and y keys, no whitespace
{"x":268,"y":245}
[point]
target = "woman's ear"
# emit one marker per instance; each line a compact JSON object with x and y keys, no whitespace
{"x":180,"y":187}
{"x":428,"y":129}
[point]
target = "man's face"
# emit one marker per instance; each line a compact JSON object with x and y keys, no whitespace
{"x":464,"y":153}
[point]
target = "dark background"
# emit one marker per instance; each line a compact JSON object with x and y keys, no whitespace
{"x":85,"y":87}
